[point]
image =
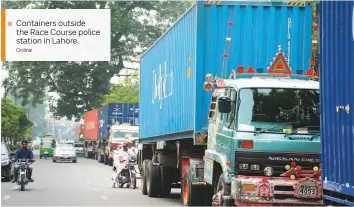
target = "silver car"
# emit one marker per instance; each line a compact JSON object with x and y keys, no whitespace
{"x":64,"y":152}
{"x":79,"y":148}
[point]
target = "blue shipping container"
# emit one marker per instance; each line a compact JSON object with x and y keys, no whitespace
{"x":132,"y":110}
{"x":116,"y":112}
{"x":337,"y":99}
{"x":172,"y":100}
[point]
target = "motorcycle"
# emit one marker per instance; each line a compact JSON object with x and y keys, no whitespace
{"x":22,"y":172}
{"x":127,"y":175}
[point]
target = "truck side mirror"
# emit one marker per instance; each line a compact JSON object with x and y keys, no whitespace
{"x":224,"y":105}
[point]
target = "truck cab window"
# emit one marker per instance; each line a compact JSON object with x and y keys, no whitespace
{"x":229,"y":93}
{"x":276,"y":107}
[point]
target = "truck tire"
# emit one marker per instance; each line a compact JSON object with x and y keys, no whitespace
{"x":209,"y":193}
{"x":223,"y":188}
{"x":105,"y":160}
{"x":191,"y":195}
{"x":165,"y":173}
{"x":110,"y":161}
{"x":143,"y":173}
{"x":99,"y":158}
{"x":153,"y":180}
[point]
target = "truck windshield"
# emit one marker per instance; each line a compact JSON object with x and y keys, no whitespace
{"x":121,"y":134}
{"x":279,"y":110}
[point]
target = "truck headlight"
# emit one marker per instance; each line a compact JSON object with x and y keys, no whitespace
{"x":243,"y":166}
{"x":268,"y":171}
{"x":255,"y":167}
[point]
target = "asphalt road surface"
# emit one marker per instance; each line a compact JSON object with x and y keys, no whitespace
{"x":85,"y":183}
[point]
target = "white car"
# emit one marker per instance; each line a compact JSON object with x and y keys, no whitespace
{"x":79,"y":148}
{"x":64,"y":152}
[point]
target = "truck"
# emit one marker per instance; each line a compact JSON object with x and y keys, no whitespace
{"x":337,"y":101}
{"x":119,"y":134}
{"x":251,"y":138}
{"x":111,"y":114}
{"x":91,"y":135}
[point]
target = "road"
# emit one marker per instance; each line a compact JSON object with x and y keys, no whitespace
{"x":85,"y":183}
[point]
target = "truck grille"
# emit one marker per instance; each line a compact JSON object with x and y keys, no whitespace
{"x":277,"y":161}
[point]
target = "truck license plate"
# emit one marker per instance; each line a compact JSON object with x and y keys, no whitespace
{"x":308,"y":190}
{"x":45,"y":152}
{"x":22,"y":173}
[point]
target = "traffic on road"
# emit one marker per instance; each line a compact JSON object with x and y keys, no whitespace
{"x":84,"y":183}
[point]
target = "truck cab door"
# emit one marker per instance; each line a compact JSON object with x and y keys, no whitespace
{"x":225,"y":125}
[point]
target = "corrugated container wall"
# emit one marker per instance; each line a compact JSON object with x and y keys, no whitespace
{"x":173,"y":70}
{"x":117,"y":112}
{"x":337,"y":94}
{"x":91,"y":119}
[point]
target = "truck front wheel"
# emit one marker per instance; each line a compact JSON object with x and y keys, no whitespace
{"x":153,"y":184}
{"x":222,"y":189}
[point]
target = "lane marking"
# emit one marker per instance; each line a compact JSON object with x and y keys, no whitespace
{"x":88,"y":182}
{"x":7,"y":197}
{"x":15,"y":187}
{"x":95,"y":189}
{"x":104,"y":198}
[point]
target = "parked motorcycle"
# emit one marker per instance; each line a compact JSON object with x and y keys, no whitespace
{"x":22,"y":172}
{"x":127,"y":175}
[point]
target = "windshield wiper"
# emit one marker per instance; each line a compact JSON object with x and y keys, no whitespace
{"x":315,"y":135}
{"x":265,"y":130}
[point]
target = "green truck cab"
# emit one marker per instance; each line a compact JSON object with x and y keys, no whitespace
{"x":263,"y":145}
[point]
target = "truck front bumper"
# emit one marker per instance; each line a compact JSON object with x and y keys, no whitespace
{"x":253,"y":190}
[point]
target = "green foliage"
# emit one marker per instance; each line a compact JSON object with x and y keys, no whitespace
{"x":81,"y":85}
{"x":125,"y":92}
{"x":14,"y":121}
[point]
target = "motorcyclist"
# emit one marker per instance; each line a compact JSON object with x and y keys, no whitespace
{"x":124,"y":152}
{"x":23,"y":153}
{"x":131,"y":149}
